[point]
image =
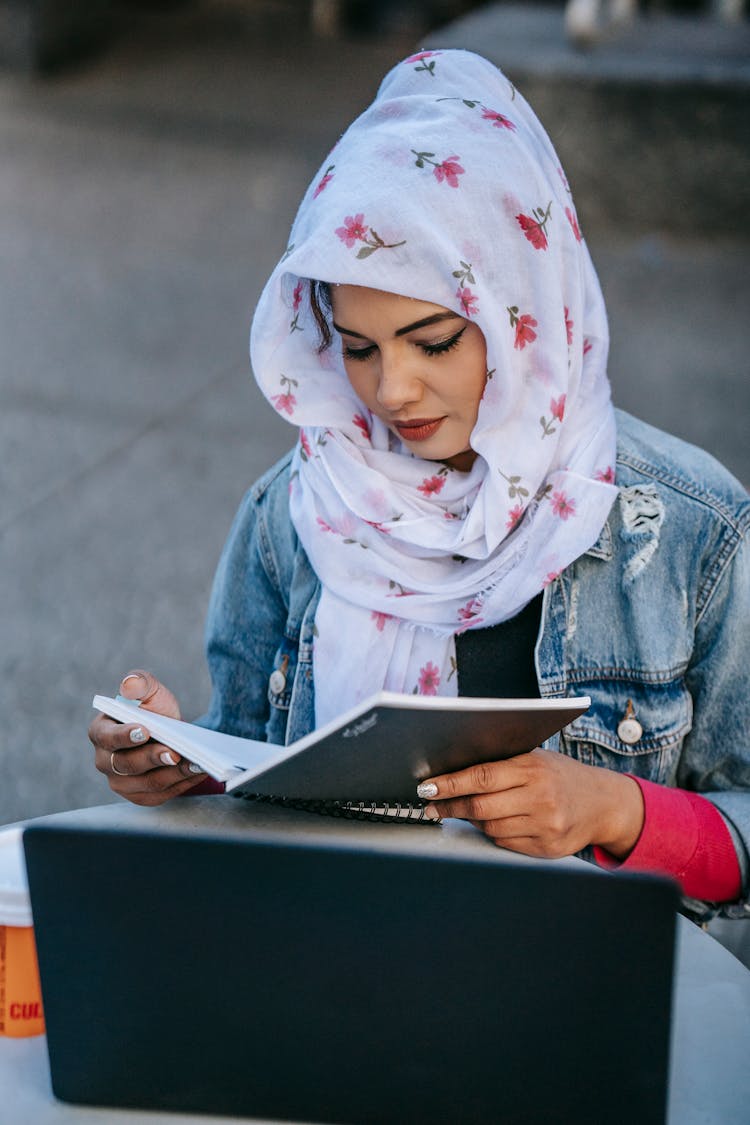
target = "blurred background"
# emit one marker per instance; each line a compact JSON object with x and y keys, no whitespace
{"x":153,"y":156}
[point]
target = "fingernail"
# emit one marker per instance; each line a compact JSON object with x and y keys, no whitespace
{"x":194,"y":768}
{"x":167,"y":759}
{"x":138,"y":734}
{"x":140,"y":686}
{"x":427,"y":789}
{"x":431,"y":813}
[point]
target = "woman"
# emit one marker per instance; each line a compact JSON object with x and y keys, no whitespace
{"x":464,"y":511}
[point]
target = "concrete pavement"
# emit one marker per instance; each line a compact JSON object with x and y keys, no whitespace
{"x":143,"y":200}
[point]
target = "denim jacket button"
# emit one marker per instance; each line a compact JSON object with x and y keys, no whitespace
{"x":277,"y":681}
{"x":629,"y":731}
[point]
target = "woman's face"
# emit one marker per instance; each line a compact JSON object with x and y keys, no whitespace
{"x":419,"y":367}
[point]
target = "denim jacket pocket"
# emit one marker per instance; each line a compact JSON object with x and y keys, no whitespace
{"x":632,"y":727}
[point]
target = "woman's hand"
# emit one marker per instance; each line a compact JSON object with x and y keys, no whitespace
{"x":144,"y":772}
{"x":542,"y":804}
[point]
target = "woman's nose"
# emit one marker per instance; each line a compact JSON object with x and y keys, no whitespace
{"x":398,"y":385}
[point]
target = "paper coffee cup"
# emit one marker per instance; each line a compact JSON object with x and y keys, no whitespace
{"x":20,"y":992}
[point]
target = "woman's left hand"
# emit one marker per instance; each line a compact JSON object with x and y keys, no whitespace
{"x":544,"y":804}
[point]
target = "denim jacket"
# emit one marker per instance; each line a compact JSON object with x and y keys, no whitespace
{"x":652,"y":622}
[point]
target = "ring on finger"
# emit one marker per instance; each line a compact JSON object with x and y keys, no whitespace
{"x":114,"y":767}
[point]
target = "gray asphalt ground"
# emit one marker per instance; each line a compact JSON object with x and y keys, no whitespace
{"x":143,"y":200}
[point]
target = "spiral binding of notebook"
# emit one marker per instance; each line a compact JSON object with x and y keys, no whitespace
{"x":390,"y":811}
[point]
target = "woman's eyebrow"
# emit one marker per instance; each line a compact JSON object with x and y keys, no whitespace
{"x":348,"y":331}
{"x":436,"y":318}
{"x":427,"y":320}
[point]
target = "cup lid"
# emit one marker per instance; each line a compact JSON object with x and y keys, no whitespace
{"x":15,"y":906}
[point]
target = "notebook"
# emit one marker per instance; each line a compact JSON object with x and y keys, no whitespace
{"x":369,"y":760}
{"x":297,"y":968}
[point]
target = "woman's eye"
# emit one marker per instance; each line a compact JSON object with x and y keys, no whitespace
{"x":444,"y":345}
{"x":359,"y":353}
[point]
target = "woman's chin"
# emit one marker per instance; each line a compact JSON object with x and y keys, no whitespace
{"x":461,"y":460}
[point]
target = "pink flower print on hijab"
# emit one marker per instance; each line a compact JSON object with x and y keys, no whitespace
{"x":557,"y":407}
{"x":429,"y":679}
{"x":568,"y":326}
{"x":380,"y":619}
{"x":525,"y":331}
{"x":557,"y":411}
{"x":469,"y":614}
{"x":325,"y":181}
{"x":296,"y":302}
{"x":515,"y":515}
{"x":534,"y":226}
{"x":499,"y":120}
{"x":562,"y":505}
{"x":286,"y":401}
{"x":422,"y":57}
{"x":431,"y":486}
{"x":305,"y":450}
{"x":297,"y":297}
{"x":469,"y":301}
{"x":573,"y":220}
{"x":354,"y":230}
{"x":362,"y":425}
{"x":606,"y":476}
{"x":524,"y":326}
{"x":447,"y":170}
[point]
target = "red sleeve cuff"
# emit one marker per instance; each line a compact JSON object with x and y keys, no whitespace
{"x":684,"y":836}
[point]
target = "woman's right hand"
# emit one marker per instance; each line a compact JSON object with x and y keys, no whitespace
{"x":144,"y":772}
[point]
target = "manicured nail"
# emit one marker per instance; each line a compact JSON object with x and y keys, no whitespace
{"x":431,"y":813}
{"x":140,"y":686}
{"x":138,"y":734}
{"x":195,"y":768}
{"x":427,"y":789}
{"x":167,"y":759}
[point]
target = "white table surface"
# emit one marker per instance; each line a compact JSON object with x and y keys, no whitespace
{"x":709,"y":1072}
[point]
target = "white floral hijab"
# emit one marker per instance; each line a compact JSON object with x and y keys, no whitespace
{"x":448,"y":190}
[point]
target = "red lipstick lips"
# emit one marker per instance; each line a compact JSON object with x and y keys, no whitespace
{"x":418,"y":429}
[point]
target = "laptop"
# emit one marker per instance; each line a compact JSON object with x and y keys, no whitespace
{"x":287,"y":966}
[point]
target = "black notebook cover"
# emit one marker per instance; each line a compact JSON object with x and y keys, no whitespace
{"x":383,"y":754}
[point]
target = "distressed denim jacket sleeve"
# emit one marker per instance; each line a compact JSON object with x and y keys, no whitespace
{"x":719,"y":682}
{"x":260,"y":621}
{"x":655,"y":619}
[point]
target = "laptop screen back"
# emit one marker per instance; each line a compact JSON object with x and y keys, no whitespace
{"x":331,"y":981}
